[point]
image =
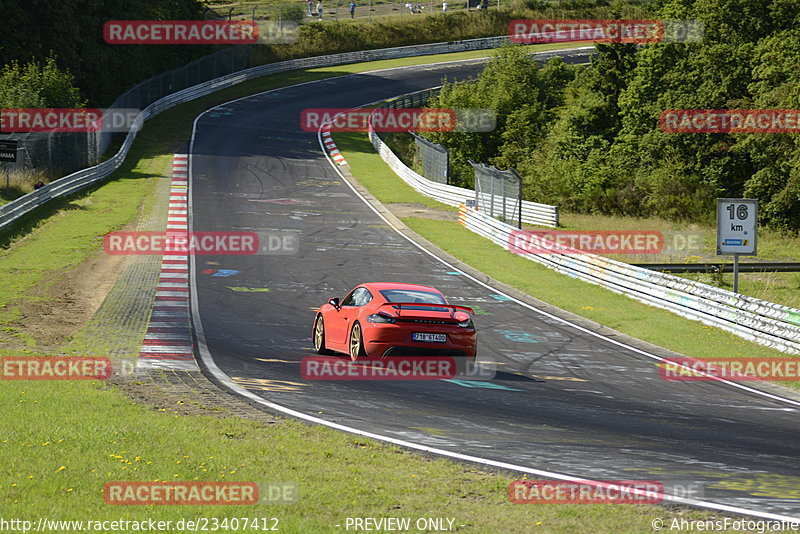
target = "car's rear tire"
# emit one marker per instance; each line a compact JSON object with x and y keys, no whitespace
{"x":319,"y":336}
{"x":356,"y":344}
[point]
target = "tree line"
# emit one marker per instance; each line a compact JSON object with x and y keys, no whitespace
{"x":588,"y":140}
{"x":53,"y":53}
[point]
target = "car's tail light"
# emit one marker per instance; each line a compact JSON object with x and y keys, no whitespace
{"x":380,"y":318}
{"x":463,"y":320}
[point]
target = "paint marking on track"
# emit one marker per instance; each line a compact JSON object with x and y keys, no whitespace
{"x":263,"y":384}
{"x":249,"y":289}
{"x":479,"y":384}
{"x":567,"y":378}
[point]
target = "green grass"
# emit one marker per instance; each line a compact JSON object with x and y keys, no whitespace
{"x":387,"y":187}
{"x":14,"y":184}
{"x":72,"y":235}
{"x":581,"y":298}
{"x":60,"y":442}
{"x":381,"y":10}
{"x":782,"y":288}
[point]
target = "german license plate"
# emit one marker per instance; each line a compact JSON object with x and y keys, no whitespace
{"x":431,"y":338}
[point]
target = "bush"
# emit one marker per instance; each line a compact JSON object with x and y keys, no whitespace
{"x":36,"y":85}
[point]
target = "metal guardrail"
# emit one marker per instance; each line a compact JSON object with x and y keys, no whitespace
{"x":762,"y":267}
{"x":72,"y":151}
{"x":532,"y":212}
{"x":79,"y":180}
{"x":763,"y":322}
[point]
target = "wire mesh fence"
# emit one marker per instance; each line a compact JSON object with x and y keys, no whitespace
{"x":433,"y":159}
{"x":498,"y":193}
{"x":62,"y":153}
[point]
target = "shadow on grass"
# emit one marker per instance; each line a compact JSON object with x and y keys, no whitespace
{"x":7,"y":194}
{"x":354,"y":142}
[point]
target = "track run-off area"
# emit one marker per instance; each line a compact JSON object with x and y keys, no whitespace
{"x":564,"y":401}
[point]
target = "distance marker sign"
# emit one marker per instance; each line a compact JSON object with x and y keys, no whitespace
{"x":737,"y":223}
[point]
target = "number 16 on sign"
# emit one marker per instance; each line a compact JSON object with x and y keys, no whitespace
{"x":737,"y":231}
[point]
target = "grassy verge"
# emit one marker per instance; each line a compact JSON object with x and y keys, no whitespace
{"x":581,"y":298}
{"x":73,"y":234}
{"x":60,"y":442}
{"x":372,"y":173}
{"x":378,"y":10}
{"x":63,"y":442}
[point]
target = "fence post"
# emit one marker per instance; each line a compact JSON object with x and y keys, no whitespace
{"x":519,"y":204}
{"x":491,"y":193}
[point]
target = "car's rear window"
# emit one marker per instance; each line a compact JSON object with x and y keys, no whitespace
{"x":413,"y":295}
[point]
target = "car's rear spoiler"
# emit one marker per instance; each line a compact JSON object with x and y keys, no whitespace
{"x":451,"y":307}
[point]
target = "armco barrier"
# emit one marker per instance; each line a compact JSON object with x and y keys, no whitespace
{"x":79,"y":180}
{"x":756,"y":320}
{"x":532,"y":212}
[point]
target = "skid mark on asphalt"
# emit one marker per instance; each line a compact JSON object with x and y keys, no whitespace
{"x":168,"y":343}
{"x":566,"y":378}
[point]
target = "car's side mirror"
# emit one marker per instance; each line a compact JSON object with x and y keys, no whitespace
{"x":334,"y":302}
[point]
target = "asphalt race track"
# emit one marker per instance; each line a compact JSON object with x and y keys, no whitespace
{"x":563,"y":399}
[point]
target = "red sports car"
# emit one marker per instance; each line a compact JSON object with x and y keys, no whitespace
{"x":381,"y":320}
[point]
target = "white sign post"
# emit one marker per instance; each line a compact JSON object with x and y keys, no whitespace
{"x":737,"y":230}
